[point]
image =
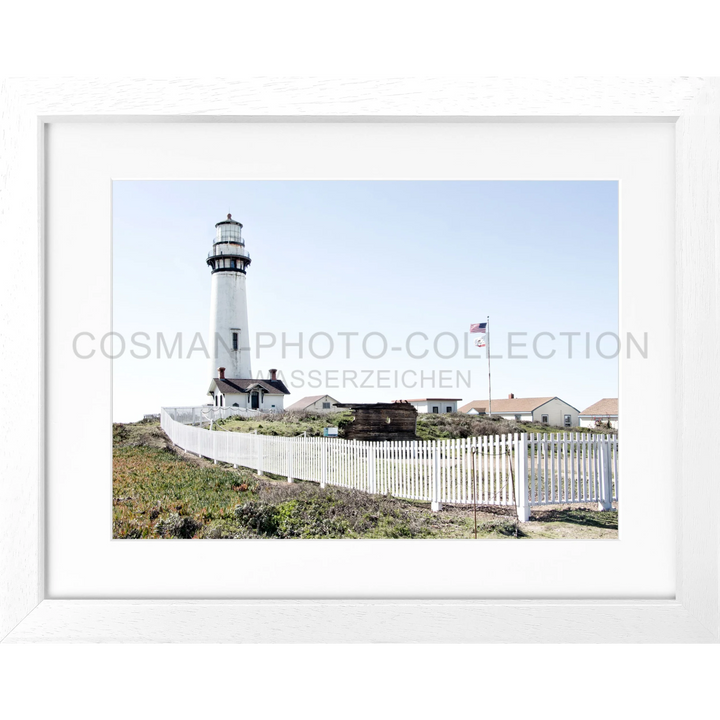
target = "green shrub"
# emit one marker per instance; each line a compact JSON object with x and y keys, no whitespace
{"x":177,"y":526}
{"x":258,"y":516}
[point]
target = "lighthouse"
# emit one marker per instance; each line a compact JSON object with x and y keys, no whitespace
{"x":231,"y":381}
{"x":229,"y":334}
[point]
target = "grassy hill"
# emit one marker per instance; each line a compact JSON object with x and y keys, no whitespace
{"x":286,"y":424}
{"x":429,"y":426}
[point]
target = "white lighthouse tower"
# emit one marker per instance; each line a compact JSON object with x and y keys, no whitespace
{"x":229,"y":334}
{"x":231,"y":383}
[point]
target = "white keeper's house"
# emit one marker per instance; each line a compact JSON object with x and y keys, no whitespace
{"x":600,"y":413}
{"x":234,"y":385}
{"x":545,"y":410}
{"x":435,"y":405}
{"x":315,"y":403}
{"x":248,"y":394}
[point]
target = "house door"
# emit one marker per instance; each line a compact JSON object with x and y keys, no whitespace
{"x":255,"y":401}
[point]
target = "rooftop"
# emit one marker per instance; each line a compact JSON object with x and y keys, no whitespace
{"x":507,"y":405}
{"x":384,"y":406}
{"x":306,"y":401}
{"x":244,"y":385}
{"x":435,"y":399}
{"x":606,"y":406}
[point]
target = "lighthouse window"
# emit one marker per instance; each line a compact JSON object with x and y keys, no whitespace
{"x":233,"y":263}
{"x":235,"y":341}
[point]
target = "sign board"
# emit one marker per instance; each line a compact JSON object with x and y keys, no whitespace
{"x":330,"y":432}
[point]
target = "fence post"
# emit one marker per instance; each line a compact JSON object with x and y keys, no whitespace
{"x":214,"y":437}
{"x":291,"y":453}
{"x":259,"y":452}
{"x":372,"y":486}
{"x":605,"y":499}
{"x":323,"y":463}
{"x":521,"y":477}
{"x":613,"y":457}
{"x":436,"y":504}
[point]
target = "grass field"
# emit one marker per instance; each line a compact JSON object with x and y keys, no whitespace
{"x":429,"y":426}
{"x":160,"y":492}
{"x":286,"y":424}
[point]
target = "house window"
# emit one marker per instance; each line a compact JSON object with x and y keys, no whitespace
{"x":436,"y":409}
{"x":448,"y":408}
{"x":544,"y":419}
{"x":568,"y":421}
{"x":326,"y":406}
{"x":235,"y":341}
{"x":235,"y":405}
{"x":517,"y":418}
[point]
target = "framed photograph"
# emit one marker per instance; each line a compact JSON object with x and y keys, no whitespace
{"x":448,"y":340}
{"x":361,"y":456}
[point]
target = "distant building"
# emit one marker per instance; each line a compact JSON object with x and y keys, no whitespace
{"x":435,"y":405}
{"x":315,"y":403}
{"x":547,"y":410}
{"x":600,"y":413}
{"x":249,"y":394}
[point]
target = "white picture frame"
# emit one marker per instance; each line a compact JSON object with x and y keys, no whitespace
{"x":692,"y":616}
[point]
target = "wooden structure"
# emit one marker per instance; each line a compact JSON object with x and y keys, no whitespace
{"x":381,"y":421}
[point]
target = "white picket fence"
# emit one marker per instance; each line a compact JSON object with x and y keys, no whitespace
{"x":522,"y":470}
{"x":205,"y":414}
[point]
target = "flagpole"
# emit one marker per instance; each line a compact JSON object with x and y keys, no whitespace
{"x":487,"y":333}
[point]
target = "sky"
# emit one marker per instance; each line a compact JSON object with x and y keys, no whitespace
{"x":383,"y":259}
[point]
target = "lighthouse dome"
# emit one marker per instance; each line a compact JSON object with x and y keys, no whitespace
{"x":229,"y":221}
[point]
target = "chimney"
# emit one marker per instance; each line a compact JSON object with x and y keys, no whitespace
{"x":511,"y":396}
{"x":273,"y":374}
{"x":221,"y":373}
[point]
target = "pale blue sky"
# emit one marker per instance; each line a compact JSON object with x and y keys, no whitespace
{"x":393,"y":257}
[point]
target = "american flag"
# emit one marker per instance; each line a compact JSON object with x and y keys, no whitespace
{"x":478,"y":327}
